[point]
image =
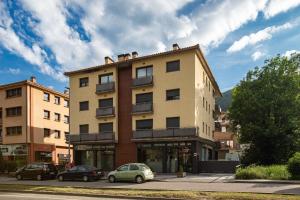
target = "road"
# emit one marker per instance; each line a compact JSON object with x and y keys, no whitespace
{"x":157,"y":185}
{"x":30,"y":196}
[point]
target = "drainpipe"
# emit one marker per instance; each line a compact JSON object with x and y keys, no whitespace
{"x":69,"y":148}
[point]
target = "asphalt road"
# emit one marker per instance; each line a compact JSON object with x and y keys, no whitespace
{"x":156,"y":185}
{"x":30,"y":196}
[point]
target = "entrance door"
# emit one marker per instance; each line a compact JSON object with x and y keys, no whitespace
{"x":172,"y":160}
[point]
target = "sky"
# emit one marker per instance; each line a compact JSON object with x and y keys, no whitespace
{"x":47,"y":38}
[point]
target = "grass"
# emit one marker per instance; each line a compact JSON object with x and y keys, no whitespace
{"x":148,"y":193}
{"x":272,"y":172}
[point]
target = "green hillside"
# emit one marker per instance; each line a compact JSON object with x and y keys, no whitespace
{"x":225,"y":101}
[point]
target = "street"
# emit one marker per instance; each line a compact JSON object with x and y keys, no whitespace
{"x":159,"y":185}
{"x":30,"y":196}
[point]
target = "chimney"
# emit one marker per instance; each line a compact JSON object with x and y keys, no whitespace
{"x":127,"y":56}
{"x":134,"y":54}
{"x":108,"y":60}
{"x":33,"y":79}
{"x":66,"y":91}
{"x":121,"y":57}
{"x":176,"y":46}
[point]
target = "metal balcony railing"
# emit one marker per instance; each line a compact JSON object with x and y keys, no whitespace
{"x":105,"y":111}
{"x":165,"y":133}
{"x":142,"y":81}
{"x":105,"y":87}
{"x":91,"y":137}
{"x":140,"y":108}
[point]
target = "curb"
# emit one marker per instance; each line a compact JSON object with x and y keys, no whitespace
{"x":90,"y":195}
{"x":265,"y":181}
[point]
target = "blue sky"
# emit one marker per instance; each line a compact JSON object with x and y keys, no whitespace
{"x":46,"y":38}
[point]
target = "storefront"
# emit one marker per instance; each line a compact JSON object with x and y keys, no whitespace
{"x":99,"y":156}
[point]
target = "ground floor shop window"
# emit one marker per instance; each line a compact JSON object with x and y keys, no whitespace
{"x":43,"y":156}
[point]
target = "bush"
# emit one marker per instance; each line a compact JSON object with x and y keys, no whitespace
{"x":294,"y":166}
{"x":8,"y":166}
{"x":274,"y":172}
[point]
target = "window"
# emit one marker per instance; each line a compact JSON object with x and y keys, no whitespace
{"x":203,"y":102}
{"x":83,"y":82}
{"x":144,"y":98}
{"x":173,"y":94}
{"x":173,"y":66}
{"x":57,"y":100}
{"x":14,"y":92}
{"x":57,"y":134}
{"x":15,"y":130}
{"x":15,"y":111}
{"x":203,"y":127}
{"x":144,"y":71}
{"x":105,"y":127}
{"x":106,"y":78}
{"x":46,"y":96}
{"x":206,"y":129}
{"x":0,"y":114}
{"x":208,"y":108}
{"x":133,"y":167}
{"x":66,"y":103}
{"x":206,"y":105}
{"x":66,"y":119}
{"x":56,"y":117}
{"x":46,"y":132}
{"x":67,"y":134}
{"x":84,"y":128}
{"x":144,"y":124}
{"x":104,"y":103}
{"x":46,"y":114}
{"x":123,"y":168}
{"x":84,"y":105}
{"x":173,"y":122}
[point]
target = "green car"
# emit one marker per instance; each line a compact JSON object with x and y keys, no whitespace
{"x":138,"y":172}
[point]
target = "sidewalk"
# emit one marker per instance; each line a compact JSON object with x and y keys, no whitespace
{"x":196,"y":178}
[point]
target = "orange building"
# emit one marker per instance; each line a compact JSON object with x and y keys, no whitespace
{"x":33,"y":122}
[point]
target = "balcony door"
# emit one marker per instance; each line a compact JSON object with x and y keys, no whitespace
{"x":144,"y":98}
{"x":144,"y":71}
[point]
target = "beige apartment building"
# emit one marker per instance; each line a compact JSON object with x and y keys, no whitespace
{"x":33,"y":122}
{"x":157,"y":109}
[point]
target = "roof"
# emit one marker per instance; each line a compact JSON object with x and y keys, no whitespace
{"x":119,"y":63}
{"x":36,"y":85}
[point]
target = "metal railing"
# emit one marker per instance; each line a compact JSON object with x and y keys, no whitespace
{"x":145,"y":107}
{"x":91,"y":137}
{"x":105,"y":111}
{"x":142,"y":81}
{"x":161,"y":133}
{"x":105,"y":87}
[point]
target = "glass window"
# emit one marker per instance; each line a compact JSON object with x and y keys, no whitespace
{"x":106,"y":127}
{"x":57,"y":134}
{"x":66,"y":119}
{"x":83,"y":82}
{"x":46,"y":114}
{"x":56,"y":117}
{"x":123,"y":168}
{"x":84,"y":105}
{"x":15,"y":130}
{"x":144,"y":98}
{"x":66,"y":103}
{"x":173,"y":122}
{"x":46,"y":96}
{"x":144,"y":71}
{"x":11,"y":112}
{"x":144,"y":124}
{"x":16,"y":92}
{"x":106,"y":78}
{"x":133,"y":167}
{"x":104,"y":103}
{"x":46,"y":132}
{"x":173,"y":94}
{"x":84,"y":128}
{"x":57,"y":100}
{"x":173,"y":66}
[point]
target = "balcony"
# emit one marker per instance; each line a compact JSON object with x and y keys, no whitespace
{"x":0,"y":139}
{"x":105,"y":112}
{"x":103,"y":137}
{"x":166,"y":133}
{"x":142,"y":81}
{"x":142,"y":108}
{"x":105,"y":87}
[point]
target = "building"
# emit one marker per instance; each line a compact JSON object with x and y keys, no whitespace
{"x":157,"y":109}
{"x":227,"y":140}
{"x":33,"y":124}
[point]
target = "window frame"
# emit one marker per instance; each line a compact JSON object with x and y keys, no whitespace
{"x":49,"y":134}
{"x":108,"y":75}
{"x":48,"y":97}
{"x":16,"y":111}
{"x":81,"y":103}
{"x":172,"y":90}
{"x":57,"y":117}
{"x":80,"y":128}
{"x":146,"y":100}
{"x":49,"y":115}
{"x":16,"y":130}
{"x":103,"y":124}
{"x":172,"y":127}
{"x":82,"y":83}
{"x":14,"y":92}
{"x":58,"y":136}
{"x":172,"y":68}
{"x":144,"y":68}
{"x":143,"y":120}
{"x":57,"y":100}
{"x":106,"y":100}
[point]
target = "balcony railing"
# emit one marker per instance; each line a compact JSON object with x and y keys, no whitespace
{"x":105,"y":87}
{"x":92,"y":137}
{"x":105,"y":112}
{"x":165,"y":133}
{"x":141,"y":108}
{"x":0,"y":139}
{"x":142,"y":81}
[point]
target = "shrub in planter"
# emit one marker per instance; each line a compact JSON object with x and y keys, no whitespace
{"x":294,"y":166}
{"x":181,"y":173}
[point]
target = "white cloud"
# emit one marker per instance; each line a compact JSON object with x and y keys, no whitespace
{"x":14,"y":71}
{"x":257,"y":37}
{"x":275,"y":7}
{"x":257,"y":55}
{"x":289,"y":53}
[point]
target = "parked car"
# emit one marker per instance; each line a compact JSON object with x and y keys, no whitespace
{"x":81,"y":172}
{"x":38,"y":171}
{"x":138,"y":172}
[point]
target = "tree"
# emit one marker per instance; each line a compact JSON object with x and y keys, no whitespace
{"x":266,"y":108}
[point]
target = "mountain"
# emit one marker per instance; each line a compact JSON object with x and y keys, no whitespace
{"x":225,"y":101}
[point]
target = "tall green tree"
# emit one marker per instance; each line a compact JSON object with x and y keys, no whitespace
{"x":266,"y":109}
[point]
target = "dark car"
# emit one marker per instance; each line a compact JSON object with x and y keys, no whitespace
{"x":38,"y":171}
{"x":81,"y":172}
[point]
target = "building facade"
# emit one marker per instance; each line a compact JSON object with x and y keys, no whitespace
{"x":33,"y":122}
{"x":156,"y":109}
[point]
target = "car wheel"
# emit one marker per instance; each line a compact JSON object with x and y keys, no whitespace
{"x":60,"y":178}
{"x":39,"y":177}
{"x":111,"y":179}
{"x":139,"y":179}
{"x":85,"y":178}
{"x":19,"y":177}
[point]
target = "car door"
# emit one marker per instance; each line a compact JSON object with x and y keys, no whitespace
{"x":26,"y":172}
{"x":133,"y":172}
{"x":122,"y":172}
{"x":71,"y":173}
